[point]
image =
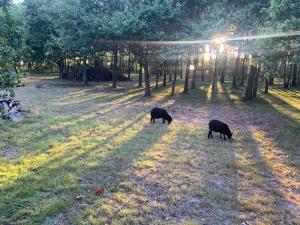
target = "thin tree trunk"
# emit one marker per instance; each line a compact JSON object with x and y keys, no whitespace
{"x":214,"y":81}
{"x":65,"y":64}
{"x":266,"y":85}
{"x":223,"y":71}
{"x":170,"y":71}
{"x":249,"y":88}
{"x":174,"y":80}
{"x":187,"y":76}
{"x":294,"y":81}
{"x":236,"y":72}
{"x":243,"y":72}
{"x":202,"y":69}
{"x":285,"y":75}
{"x":129,"y":66}
{"x":157,"y":76}
{"x":112,"y":62}
{"x":115,"y":67}
{"x":120,"y":62}
{"x":289,"y":76}
{"x":147,"y":79}
{"x":255,"y":82}
{"x":165,"y":74}
{"x":194,"y":80}
{"x":181,"y":68}
{"x":61,"y":68}
{"x":141,"y":75}
{"x":68,"y":67}
{"x":84,"y":73}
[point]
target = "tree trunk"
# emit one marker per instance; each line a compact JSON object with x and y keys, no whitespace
{"x":84,"y":73}
{"x":65,"y":65}
{"x":271,"y":80}
{"x":187,"y":77}
{"x":243,"y":72}
{"x":255,"y":82}
{"x":285,"y":83}
{"x":120,"y":62}
{"x":61,"y":67}
{"x":236,"y":72}
{"x":249,"y":88}
{"x":170,"y":71}
{"x":214,"y":81}
{"x":141,"y":75}
{"x":112,"y":62}
{"x":157,"y":76}
{"x":129,"y":65}
{"x":174,"y":80}
{"x":115,"y":67}
{"x":289,"y":76}
{"x":266,"y":85}
{"x":181,"y":69}
{"x":294,"y":81}
{"x":202,"y":70}
{"x":165,"y":74}
{"x":194,"y":80}
{"x":68,"y":67}
{"x":147,"y":79}
{"x":223,"y":71}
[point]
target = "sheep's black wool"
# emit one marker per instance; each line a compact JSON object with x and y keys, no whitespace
{"x":158,"y":113}
{"x":219,"y":127}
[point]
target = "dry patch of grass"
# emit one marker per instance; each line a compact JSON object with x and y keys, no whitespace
{"x":90,"y":156}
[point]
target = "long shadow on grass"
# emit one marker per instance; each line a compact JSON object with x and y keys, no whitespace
{"x":263,"y":196}
{"x":179,"y":179}
{"x":61,"y":164}
{"x":285,"y":123}
{"x":30,"y":190}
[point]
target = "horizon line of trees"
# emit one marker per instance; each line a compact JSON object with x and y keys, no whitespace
{"x":74,"y":35}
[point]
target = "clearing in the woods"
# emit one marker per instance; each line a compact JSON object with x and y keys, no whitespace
{"x":91,"y":156}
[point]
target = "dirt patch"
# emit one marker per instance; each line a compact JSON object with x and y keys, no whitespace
{"x":8,"y":154}
{"x":236,"y":119}
{"x":65,"y":85}
{"x":60,"y":219}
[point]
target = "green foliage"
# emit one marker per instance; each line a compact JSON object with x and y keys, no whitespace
{"x":10,"y":47}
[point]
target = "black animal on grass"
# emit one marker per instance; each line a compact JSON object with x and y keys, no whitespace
{"x":219,"y":127}
{"x":158,"y":113}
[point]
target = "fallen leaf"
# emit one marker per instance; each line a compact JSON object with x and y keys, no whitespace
{"x":98,"y":190}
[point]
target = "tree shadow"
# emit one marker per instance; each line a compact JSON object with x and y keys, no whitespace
{"x":264,"y":194}
{"x":63,"y":179}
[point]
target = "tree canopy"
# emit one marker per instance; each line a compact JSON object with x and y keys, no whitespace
{"x":57,"y":30}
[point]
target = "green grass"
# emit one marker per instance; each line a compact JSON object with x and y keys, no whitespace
{"x":77,"y":139}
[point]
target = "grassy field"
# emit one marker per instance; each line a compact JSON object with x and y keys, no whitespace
{"x":90,"y":156}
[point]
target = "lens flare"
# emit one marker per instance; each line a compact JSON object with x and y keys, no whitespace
{"x":208,"y":41}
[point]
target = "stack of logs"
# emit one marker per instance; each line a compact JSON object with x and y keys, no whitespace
{"x":10,"y":109}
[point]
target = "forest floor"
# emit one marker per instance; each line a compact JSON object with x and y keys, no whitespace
{"x":91,"y":156}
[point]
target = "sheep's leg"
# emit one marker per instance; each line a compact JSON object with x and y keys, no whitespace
{"x":221,"y":135}
{"x":151,"y":120}
{"x":210,"y":134}
{"x":164,"y":121}
{"x":224,"y":137}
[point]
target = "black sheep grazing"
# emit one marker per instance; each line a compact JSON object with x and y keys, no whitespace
{"x":158,"y":113}
{"x":220,"y":127}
